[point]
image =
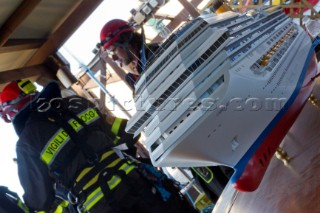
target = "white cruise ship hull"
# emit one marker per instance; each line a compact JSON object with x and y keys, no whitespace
{"x":228,"y":96}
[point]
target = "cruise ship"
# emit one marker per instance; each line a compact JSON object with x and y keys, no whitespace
{"x":225,"y":90}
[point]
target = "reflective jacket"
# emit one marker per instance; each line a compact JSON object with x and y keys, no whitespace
{"x":48,"y":153}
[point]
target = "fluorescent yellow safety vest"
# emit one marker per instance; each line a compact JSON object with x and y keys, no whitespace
{"x":87,"y":180}
{"x":61,"y":137}
{"x":115,"y":129}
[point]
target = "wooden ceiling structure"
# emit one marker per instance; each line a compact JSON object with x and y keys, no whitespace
{"x":32,"y":31}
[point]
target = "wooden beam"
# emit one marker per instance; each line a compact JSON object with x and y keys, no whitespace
{"x":71,"y":24}
{"x":21,"y":44}
{"x":17,"y":17}
{"x":311,"y":7}
{"x":102,"y":101}
{"x":26,"y":72}
{"x":162,"y":16}
{"x":190,"y":8}
{"x":63,"y":64}
{"x":119,"y":71}
{"x":180,"y":17}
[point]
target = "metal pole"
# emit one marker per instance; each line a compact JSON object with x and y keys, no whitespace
{"x":112,"y":98}
{"x":91,"y":75}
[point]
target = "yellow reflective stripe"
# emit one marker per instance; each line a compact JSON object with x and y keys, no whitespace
{"x":64,"y":204}
{"x":86,"y":170}
{"x":75,"y":125}
{"x":22,"y":206}
{"x":116,"y":126}
{"x":92,"y":199}
{"x":113,"y":182}
{"x":55,"y":144}
{"x":127,"y":168}
{"x":83,"y":173}
{"x":95,"y":178}
{"x":97,"y":194}
{"x":59,"y":209}
{"x":116,"y":140}
{"x":106,"y":154}
{"x":88,"y":116}
{"x":60,"y":139}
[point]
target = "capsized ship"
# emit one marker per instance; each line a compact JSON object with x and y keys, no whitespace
{"x":224,"y":90}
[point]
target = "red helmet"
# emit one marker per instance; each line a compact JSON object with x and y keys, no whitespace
{"x":112,"y":30}
{"x":14,"y":96}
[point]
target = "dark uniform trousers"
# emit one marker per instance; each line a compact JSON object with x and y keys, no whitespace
{"x":135,"y":195}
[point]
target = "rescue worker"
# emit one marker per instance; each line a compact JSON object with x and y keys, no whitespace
{"x":10,"y":202}
{"x":128,"y":49}
{"x":68,"y":142}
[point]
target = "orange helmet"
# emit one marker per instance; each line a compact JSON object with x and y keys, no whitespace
{"x":14,"y":96}
{"x":112,"y":30}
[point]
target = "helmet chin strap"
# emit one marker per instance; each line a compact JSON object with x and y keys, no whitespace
{"x":131,"y":67}
{"x":132,"y":57}
{"x":9,"y":111}
{"x":6,"y":119}
{"x":129,"y":53}
{"x":2,"y":115}
{"x":7,"y":114}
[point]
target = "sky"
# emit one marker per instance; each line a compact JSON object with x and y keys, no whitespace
{"x":8,"y":168}
{"x":80,"y":45}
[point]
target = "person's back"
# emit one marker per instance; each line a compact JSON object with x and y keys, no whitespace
{"x":51,"y":135}
{"x":66,"y":141}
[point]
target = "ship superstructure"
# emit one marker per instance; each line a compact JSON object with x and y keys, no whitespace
{"x":217,"y":88}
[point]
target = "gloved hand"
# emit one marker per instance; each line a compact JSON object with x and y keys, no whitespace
{"x":141,"y":150}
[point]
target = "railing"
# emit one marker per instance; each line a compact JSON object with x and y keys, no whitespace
{"x":293,"y":9}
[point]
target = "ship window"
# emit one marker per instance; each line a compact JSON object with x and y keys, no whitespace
{"x":155,"y":145}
